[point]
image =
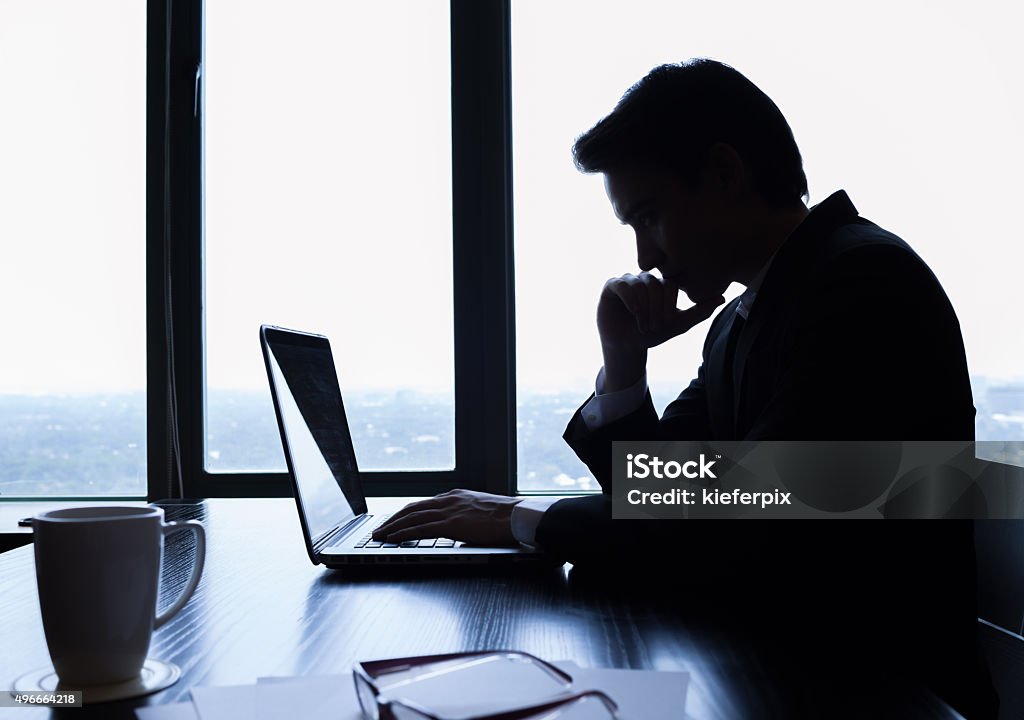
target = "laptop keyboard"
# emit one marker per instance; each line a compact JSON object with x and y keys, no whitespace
{"x":367,"y":540}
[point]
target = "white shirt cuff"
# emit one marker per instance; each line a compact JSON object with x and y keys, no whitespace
{"x":605,"y":408}
{"x":526,"y":516}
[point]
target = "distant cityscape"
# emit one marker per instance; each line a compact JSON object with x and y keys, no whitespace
{"x":96,"y":445}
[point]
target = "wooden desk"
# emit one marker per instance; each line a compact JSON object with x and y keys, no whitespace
{"x":263,"y":609}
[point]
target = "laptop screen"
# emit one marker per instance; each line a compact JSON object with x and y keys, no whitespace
{"x":314,"y":429}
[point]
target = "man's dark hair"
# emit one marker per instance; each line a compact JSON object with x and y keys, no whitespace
{"x":670,"y":119}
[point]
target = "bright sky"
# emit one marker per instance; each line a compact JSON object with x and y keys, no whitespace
{"x":914,"y":108}
{"x":328,"y":179}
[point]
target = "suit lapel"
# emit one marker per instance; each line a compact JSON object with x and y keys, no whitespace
{"x":755,"y":321}
{"x":720,"y":385}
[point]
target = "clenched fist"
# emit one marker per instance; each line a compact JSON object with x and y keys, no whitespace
{"x":638,"y":312}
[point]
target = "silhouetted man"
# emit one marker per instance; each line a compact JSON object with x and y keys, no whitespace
{"x":842,"y":333}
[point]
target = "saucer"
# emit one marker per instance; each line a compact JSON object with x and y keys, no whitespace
{"x":155,"y":675}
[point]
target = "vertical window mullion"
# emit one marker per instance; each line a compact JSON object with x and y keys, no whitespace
{"x":482,"y":206}
{"x":174,"y":249}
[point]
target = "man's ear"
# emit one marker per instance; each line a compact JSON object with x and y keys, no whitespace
{"x":724,"y":170}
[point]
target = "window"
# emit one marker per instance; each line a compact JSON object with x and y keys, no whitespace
{"x":882,"y":109}
{"x":353,"y":182}
{"x":72,"y":219}
{"x":262,"y":220}
{"x":328,"y":196}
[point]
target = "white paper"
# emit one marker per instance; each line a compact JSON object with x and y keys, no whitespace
{"x":303,"y":699}
{"x":307,"y":698}
{"x":170,"y":711}
{"x":640,"y":694}
{"x":324,"y":696}
{"x":225,"y":702}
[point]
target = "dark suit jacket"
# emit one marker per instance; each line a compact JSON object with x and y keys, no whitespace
{"x":850,"y":337}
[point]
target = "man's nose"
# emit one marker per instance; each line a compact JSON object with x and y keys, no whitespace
{"x":647,"y":254}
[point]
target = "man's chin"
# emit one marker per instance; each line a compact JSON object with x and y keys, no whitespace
{"x":698,"y":295}
{"x":704,"y":296}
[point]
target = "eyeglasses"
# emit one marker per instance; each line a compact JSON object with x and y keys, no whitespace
{"x":383,"y":688}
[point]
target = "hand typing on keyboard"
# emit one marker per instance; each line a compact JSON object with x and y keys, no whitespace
{"x":473,"y":517}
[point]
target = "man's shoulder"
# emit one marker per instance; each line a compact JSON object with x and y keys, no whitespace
{"x":862,"y":237}
{"x":863,"y":249}
{"x":855,"y":258}
{"x":833,"y":229}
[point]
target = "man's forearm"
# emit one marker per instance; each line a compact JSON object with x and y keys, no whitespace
{"x":623,"y":367}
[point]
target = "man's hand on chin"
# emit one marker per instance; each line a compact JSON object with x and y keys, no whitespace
{"x":473,"y":517}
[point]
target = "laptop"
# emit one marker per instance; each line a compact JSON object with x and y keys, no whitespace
{"x":322,"y":465}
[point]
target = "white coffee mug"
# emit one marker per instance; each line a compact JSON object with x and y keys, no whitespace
{"x":98,"y":572}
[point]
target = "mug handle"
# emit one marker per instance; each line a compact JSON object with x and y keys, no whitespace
{"x":197,"y":569}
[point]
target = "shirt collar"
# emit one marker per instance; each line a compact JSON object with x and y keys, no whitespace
{"x":748,"y":296}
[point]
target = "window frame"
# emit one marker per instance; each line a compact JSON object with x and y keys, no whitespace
{"x":483,"y":267}
{"x":483,"y":280}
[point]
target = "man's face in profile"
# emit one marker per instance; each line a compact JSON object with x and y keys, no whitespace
{"x":680,"y":232}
